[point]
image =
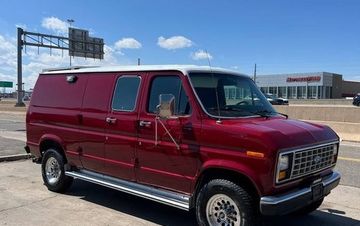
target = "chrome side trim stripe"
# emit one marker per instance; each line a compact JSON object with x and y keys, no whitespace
{"x":170,"y":198}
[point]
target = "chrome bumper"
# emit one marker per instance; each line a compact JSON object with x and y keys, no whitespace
{"x":291,"y":201}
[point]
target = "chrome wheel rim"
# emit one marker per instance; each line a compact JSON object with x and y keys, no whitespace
{"x":52,"y":170}
{"x":222,"y":210}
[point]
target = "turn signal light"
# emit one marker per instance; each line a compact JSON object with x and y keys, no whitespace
{"x":282,"y":175}
{"x":255,"y":154}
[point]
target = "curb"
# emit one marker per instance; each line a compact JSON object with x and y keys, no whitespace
{"x":9,"y":158}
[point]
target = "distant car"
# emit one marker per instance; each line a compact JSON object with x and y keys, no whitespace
{"x":356,"y":101}
{"x":26,"y":98}
{"x":274,"y":100}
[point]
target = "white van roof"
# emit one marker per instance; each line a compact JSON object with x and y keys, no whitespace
{"x":185,"y":69}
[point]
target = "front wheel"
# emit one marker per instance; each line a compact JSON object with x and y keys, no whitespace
{"x":53,"y":172}
{"x":224,"y":203}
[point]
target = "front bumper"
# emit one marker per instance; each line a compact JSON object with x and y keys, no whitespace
{"x":296,"y":199}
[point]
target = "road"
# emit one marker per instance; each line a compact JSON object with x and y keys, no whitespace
{"x":25,"y":201}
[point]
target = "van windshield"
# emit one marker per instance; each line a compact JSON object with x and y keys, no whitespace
{"x":230,"y":95}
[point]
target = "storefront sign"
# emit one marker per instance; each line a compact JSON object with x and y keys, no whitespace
{"x":304,"y":79}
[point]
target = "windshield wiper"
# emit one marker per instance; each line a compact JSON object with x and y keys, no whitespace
{"x":270,"y":112}
{"x":285,"y":115}
{"x":262,"y":113}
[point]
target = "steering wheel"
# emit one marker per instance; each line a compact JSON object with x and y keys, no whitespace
{"x":244,"y":102}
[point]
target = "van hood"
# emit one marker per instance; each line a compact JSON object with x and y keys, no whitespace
{"x":284,"y":133}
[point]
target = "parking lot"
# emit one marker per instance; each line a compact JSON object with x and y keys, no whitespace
{"x":24,"y":200}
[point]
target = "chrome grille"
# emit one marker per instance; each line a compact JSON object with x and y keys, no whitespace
{"x":311,"y":160}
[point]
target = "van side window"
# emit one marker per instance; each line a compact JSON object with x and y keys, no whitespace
{"x":169,"y":85}
{"x":125,"y":95}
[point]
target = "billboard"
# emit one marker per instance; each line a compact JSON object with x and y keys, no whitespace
{"x":5,"y":84}
{"x":82,"y":45}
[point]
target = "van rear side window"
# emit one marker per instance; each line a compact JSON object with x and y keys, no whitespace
{"x":125,"y":94}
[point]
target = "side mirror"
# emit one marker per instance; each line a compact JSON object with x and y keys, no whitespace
{"x":166,"y":107}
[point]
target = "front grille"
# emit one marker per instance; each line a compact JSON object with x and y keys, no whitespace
{"x":311,"y":160}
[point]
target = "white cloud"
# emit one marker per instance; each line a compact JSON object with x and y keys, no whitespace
{"x":8,"y":60}
{"x":127,"y":43}
{"x":201,"y":55}
{"x":8,"y":52}
{"x":55,"y":24}
{"x":6,"y":77}
{"x":175,"y":42}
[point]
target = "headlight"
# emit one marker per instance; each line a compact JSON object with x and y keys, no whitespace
{"x":284,"y":167}
{"x":283,"y":162}
{"x":335,"y":153}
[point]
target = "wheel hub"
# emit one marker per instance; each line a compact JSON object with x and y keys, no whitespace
{"x":222,"y":210}
{"x":52,"y":170}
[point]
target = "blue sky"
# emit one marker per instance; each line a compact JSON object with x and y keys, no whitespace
{"x":281,"y":36}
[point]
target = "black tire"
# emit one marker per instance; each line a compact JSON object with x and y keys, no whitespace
{"x":248,"y":211}
{"x":309,"y":209}
{"x":62,"y":182}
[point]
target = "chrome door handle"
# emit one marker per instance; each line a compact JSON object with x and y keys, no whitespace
{"x":144,"y":123}
{"x":110,"y":120}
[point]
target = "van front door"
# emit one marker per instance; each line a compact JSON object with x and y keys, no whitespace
{"x":161,"y":163}
{"x":121,"y":128}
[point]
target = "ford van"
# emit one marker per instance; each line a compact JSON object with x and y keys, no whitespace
{"x":191,"y":137}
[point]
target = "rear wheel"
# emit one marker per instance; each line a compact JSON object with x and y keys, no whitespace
{"x":53,"y":172}
{"x":224,"y":203}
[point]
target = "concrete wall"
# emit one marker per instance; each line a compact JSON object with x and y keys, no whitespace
{"x":345,"y":120}
{"x":331,"y":102}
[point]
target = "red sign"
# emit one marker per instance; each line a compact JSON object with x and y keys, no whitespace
{"x":304,"y":79}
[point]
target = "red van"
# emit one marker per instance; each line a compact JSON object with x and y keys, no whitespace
{"x":187,"y":136}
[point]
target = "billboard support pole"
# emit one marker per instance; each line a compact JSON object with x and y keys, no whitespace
{"x":91,"y":47}
{"x":19,"y":102}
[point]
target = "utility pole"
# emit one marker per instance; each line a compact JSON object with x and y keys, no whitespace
{"x":255,"y":73}
{"x":19,"y":102}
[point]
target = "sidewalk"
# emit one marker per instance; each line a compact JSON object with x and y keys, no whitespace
{"x":12,"y":146}
{"x":12,"y":132}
